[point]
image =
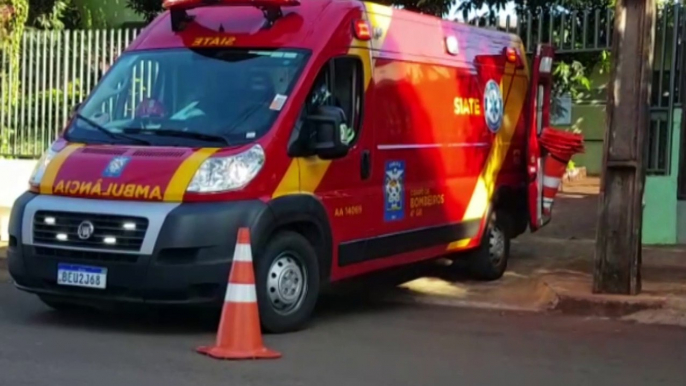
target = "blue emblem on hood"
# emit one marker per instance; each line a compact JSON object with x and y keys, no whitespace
{"x":116,"y":167}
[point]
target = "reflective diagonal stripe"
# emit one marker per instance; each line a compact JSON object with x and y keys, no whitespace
{"x":240,"y":293}
{"x":185,"y":173}
{"x":54,"y":167}
{"x":514,"y":91}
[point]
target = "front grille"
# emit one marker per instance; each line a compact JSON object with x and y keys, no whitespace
{"x":107,"y":232}
{"x":89,"y":256}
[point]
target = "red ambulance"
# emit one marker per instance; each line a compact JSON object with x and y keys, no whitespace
{"x":347,"y":136}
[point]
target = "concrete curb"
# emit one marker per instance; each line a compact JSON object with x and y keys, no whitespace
{"x":446,"y":301}
{"x":539,"y":298}
{"x":604,"y":305}
{"x":547,"y":297}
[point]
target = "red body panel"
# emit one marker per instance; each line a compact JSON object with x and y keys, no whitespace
{"x":422,"y":106}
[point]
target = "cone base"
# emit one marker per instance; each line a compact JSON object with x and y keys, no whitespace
{"x":231,"y":354}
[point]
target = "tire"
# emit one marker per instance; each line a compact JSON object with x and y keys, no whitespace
{"x":288,"y":282}
{"x":489,"y":261}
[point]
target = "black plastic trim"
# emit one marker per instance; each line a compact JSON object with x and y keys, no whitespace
{"x":394,"y":244}
{"x":291,"y":210}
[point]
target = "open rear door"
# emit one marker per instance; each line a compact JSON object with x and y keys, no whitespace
{"x":539,"y":118}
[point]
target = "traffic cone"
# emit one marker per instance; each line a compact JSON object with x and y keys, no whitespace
{"x":239,"y":335}
{"x":553,"y":171}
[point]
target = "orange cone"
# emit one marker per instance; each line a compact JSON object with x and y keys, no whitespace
{"x":553,"y":171}
{"x":239,"y":335}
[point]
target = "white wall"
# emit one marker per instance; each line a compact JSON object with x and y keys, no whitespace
{"x":14,"y":177}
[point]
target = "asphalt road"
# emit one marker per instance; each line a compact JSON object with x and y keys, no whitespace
{"x":353,"y":342}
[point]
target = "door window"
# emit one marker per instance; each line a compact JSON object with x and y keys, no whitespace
{"x":340,"y":84}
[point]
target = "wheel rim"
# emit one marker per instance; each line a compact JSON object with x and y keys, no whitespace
{"x":496,"y":245}
{"x":286,"y":283}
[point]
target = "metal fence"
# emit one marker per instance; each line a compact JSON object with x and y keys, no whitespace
{"x":572,"y":32}
{"x":589,"y":33}
{"x":58,"y":68}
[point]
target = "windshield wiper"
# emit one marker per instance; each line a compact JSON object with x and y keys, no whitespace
{"x":108,"y":133}
{"x":180,"y":134}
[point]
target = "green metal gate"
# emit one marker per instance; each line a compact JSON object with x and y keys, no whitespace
{"x":589,"y":32}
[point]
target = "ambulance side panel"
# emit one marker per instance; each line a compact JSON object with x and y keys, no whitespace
{"x":436,"y":164}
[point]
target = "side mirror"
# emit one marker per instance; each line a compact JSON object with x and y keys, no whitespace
{"x":328,"y":126}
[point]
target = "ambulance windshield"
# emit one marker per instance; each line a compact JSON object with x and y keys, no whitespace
{"x":165,"y":97}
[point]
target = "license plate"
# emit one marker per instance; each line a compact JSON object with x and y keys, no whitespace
{"x":81,"y":276}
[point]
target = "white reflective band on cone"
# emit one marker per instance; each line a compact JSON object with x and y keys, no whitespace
{"x":551,"y":182}
{"x":240,"y":293}
{"x":242,"y":253}
{"x":546,"y":65}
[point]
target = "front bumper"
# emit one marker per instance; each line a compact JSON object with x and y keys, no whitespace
{"x":184,"y":258}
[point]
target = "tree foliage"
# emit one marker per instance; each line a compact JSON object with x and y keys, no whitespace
{"x":13,"y":14}
{"x":571,"y":71}
{"x":148,"y":9}
{"x":52,"y":14}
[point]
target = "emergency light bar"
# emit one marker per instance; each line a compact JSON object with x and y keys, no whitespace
{"x":179,"y":16}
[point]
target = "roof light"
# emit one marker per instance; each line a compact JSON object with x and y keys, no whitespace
{"x":452,"y":45}
{"x":511,"y":55}
{"x":362,"y":30}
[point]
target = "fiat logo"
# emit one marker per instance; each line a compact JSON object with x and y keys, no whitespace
{"x":85,"y":230}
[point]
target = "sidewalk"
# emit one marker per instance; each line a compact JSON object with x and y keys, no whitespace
{"x":552,"y":271}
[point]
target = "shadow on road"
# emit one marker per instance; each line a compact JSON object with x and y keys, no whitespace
{"x":348,"y":300}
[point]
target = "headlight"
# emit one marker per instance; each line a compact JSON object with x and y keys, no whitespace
{"x":222,"y":174}
{"x":41,"y":166}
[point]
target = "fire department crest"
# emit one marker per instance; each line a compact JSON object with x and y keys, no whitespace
{"x":493,"y":106}
{"x":116,"y":166}
{"x":394,"y":191}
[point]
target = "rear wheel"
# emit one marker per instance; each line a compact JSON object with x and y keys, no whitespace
{"x":287,"y":283}
{"x":489,"y":261}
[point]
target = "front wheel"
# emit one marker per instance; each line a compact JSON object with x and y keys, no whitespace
{"x":489,"y":261}
{"x":287,"y":283}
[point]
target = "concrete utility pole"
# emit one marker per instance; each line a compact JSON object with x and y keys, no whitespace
{"x":620,"y":214}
